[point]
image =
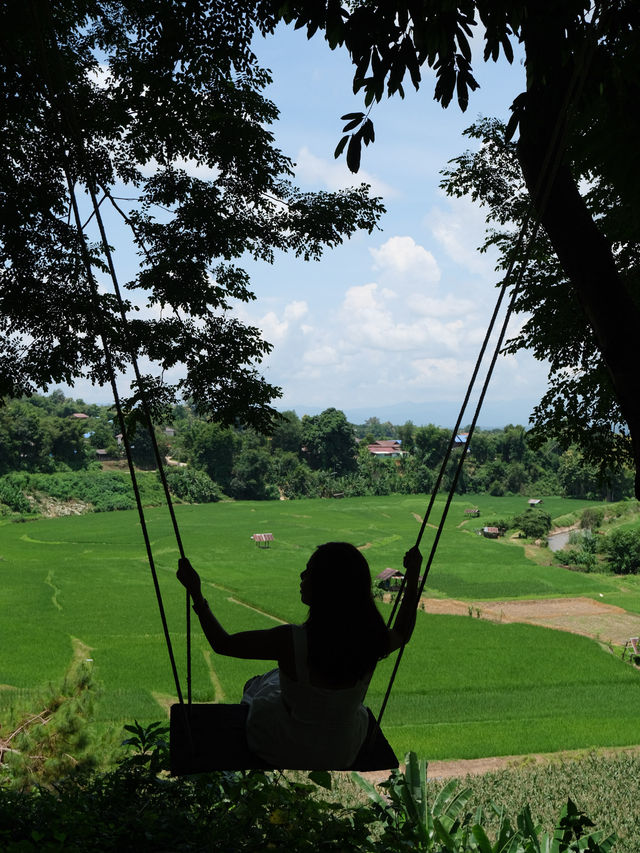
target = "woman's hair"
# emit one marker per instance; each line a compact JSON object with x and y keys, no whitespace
{"x":347,"y":635}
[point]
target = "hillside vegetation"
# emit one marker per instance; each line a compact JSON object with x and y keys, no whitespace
{"x":313,"y":456}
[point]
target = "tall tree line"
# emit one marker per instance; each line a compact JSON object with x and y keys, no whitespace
{"x":314,"y":456}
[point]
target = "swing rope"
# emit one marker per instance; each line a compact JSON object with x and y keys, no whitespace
{"x":125,"y":438}
{"x":58,"y":95}
{"x":542,"y":190}
{"x":149,"y":425}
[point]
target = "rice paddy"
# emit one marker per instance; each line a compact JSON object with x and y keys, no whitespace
{"x":466,"y":688}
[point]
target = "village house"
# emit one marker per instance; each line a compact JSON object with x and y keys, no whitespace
{"x":386,"y":448}
{"x":491,"y":532}
{"x":390,"y":580}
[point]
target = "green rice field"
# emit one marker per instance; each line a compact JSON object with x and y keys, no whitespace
{"x":466,"y":687}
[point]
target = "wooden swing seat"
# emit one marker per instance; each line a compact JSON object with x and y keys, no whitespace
{"x":217,"y":733}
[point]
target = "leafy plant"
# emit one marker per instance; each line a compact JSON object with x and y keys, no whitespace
{"x":409,"y":819}
{"x":591,"y":518}
{"x":581,"y":551}
{"x":54,"y":742}
{"x":622,"y":548}
{"x":534,"y":523}
{"x":151,"y":745}
{"x":411,"y":822}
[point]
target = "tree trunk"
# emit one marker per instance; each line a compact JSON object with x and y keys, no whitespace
{"x":585,"y":254}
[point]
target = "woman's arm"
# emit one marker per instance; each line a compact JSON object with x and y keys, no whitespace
{"x":271,"y":644}
{"x":405,"y":620}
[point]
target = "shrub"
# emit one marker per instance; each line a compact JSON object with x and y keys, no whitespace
{"x":622,"y":549}
{"x":193,"y":486}
{"x":534,"y":523}
{"x":134,"y":808}
{"x":11,"y":495}
{"x":54,"y":742}
{"x":411,"y":820}
{"x":591,"y":518}
{"x":503,"y":524}
{"x":581,"y":551}
{"x":104,"y":490}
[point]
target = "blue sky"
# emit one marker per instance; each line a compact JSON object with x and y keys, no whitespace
{"x":388,"y":324}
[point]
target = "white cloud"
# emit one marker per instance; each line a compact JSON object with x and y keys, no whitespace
{"x":440,"y":372}
{"x":402,"y":256}
{"x":334,"y":174}
{"x":378,"y":323}
{"x":445,"y":306}
{"x":275,"y":329}
{"x":321,"y":356}
{"x":460,"y":229}
{"x":295,"y":310}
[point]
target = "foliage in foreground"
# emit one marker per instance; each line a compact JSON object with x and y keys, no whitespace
{"x":412,"y":821}
{"x":55,"y":741}
{"x":138,"y":807}
{"x":607,"y":788}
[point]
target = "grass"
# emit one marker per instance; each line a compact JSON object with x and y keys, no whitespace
{"x":481,"y":689}
{"x":466,"y":687}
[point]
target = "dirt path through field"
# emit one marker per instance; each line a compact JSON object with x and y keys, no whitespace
{"x":477,"y":766}
{"x":585,"y":616}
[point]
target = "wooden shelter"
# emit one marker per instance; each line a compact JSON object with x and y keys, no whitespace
{"x":262,"y":540}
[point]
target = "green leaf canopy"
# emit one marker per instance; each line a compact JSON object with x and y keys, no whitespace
{"x":157,"y":111}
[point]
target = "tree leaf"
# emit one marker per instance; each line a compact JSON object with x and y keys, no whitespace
{"x":507,"y":48}
{"x":340,"y":146}
{"x":322,"y":778}
{"x":352,"y":124}
{"x":368,"y":133}
{"x":512,"y":126}
{"x":354,"y":152}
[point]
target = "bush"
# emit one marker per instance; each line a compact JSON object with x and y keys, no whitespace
{"x":192,"y":485}
{"x":496,"y":489}
{"x":11,"y":495}
{"x":104,"y":490}
{"x":413,"y":820}
{"x":581,"y":551}
{"x":534,"y":523}
{"x":591,"y":518}
{"x":622,"y":549}
{"x":134,"y":808}
{"x":503,"y":524}
{"x":55,"y":742}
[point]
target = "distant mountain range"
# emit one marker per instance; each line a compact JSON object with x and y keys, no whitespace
{"x":495,"y":414}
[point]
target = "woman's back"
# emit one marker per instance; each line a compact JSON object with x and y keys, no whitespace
{"x":296,"y":720}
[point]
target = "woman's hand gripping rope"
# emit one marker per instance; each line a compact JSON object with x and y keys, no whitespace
{"x":190,"y":580}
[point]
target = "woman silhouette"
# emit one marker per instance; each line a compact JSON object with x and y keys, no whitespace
{"x":309,"y":711}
